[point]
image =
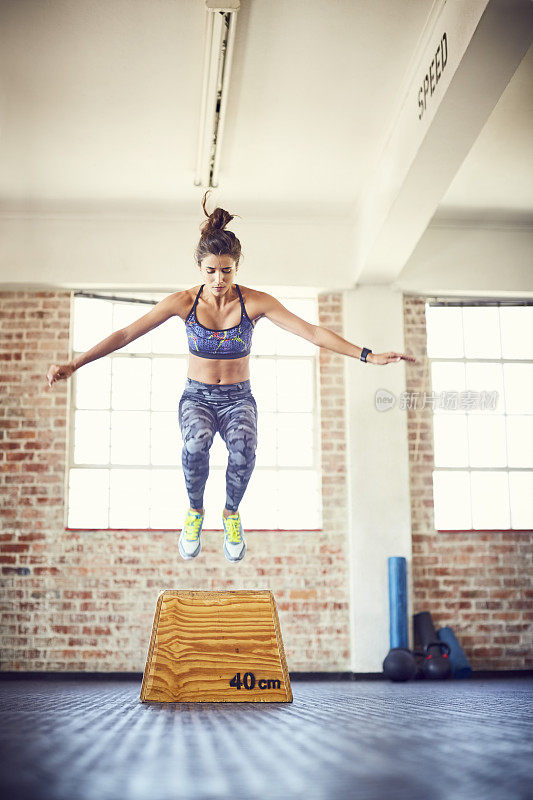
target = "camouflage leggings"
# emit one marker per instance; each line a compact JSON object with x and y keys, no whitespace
{"x":204,"y":409}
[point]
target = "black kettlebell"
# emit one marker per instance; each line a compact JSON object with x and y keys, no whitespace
{"x":436,"y":664}
{"x":399,"y":664}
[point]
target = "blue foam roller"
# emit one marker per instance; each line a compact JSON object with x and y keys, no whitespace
{"x":398,"y":631}
{"x":460,"y":666}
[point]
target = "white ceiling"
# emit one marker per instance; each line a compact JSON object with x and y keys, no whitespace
{"x":496,"y":178}
{"x":100,"y":101}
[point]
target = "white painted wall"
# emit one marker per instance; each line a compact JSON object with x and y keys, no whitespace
{"x":379,"y":522}
{"x":128,"y":252}
{"x":471,"y":259}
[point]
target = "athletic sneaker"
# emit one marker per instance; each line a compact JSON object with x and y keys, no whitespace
{"x":189,"y":544}
{"x":234,"y":544}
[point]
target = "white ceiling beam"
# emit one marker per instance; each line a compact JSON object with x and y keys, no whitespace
{"x":469,"y":53}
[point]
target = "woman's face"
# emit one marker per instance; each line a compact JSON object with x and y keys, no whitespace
{"x":218,"y":273}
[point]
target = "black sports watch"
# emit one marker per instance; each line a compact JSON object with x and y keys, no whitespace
{"x":364,"y":353}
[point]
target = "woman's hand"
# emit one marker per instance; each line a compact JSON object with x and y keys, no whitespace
{"x":388,"y":358}
{"x":59,"y":372}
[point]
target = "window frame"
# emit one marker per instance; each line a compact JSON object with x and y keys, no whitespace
{"x":315,"y":468}
{"x":475,"y":303}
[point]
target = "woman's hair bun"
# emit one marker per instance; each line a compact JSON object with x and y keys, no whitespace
{"x":214,"y":239}
{"x":217,"y":220}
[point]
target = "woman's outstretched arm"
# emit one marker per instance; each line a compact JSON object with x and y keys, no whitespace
{"x":322,"y":337}
{"x":162,"y":311}
{"x":113,"y":342}
{"x":331,"y":341}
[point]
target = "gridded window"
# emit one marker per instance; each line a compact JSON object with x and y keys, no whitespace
{"x":481,"y":359}
{"x":125,"y":443}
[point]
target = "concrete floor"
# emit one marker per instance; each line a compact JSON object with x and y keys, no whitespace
{"x":83,"y":739}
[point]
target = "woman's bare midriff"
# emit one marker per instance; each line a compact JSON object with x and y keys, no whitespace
{"x":218,"y":371}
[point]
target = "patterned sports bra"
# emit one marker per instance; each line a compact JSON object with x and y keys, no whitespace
{"x":233,"y":342}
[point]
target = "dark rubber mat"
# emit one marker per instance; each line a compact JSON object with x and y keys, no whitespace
{"x":374,"y":740}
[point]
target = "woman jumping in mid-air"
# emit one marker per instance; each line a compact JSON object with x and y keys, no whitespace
{"x":219,"y":317}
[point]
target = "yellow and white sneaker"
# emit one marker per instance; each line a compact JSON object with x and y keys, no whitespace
{"x":234,"y":544}
{"x":189,"y":544}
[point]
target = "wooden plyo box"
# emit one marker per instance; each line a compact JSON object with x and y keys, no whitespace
{"x":216,"y":647}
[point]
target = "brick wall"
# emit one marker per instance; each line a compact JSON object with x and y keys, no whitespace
{"x":477,"y":583}
{"x":85,"y":600}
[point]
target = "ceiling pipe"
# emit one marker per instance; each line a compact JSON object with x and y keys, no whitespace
{"x":220,"y":25}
